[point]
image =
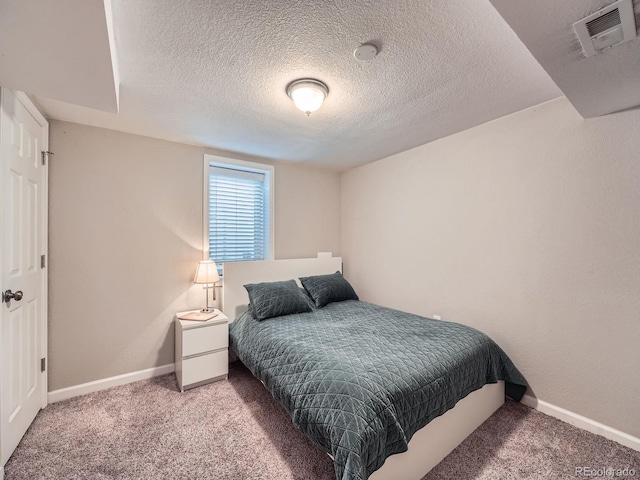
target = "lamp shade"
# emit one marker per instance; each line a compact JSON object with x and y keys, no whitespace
{"x":207,"y":272}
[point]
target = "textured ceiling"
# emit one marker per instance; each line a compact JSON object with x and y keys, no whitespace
{"x":214,"y":73}
{"x":604,"y":83}
{"x":59,"y":49}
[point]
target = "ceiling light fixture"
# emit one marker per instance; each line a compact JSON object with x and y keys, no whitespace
{"x":307,"y":94}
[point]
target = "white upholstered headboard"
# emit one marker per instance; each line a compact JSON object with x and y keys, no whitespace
{"x":237,"y":274}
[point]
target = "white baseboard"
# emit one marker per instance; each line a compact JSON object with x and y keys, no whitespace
{"x":97,"y":385}
{"x":582,"y":422}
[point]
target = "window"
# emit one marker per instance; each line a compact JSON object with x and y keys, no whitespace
{"x":238,"y":210}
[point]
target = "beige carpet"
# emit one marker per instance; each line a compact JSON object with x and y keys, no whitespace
{"x":235,"y":430}
{"x":520,"y":443}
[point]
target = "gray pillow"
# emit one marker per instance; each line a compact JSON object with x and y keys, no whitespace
{"x":324,"y":289}
{"x":274,"y":299}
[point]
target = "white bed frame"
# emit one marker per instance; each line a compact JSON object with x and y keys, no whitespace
{"x":430,"y":444}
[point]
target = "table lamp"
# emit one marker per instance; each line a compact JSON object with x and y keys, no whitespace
{"x":207,"y":273}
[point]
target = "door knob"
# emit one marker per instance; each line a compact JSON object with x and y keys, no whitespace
{"x":9,"y":295}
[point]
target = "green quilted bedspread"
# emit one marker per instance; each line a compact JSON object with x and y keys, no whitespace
{"x":359,"y":379}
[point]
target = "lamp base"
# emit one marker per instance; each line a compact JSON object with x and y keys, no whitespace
{"x":206,"y":308}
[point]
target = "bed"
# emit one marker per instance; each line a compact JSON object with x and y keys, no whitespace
{"x":364,"y":382}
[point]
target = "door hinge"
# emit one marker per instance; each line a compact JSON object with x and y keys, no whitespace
{"x":43,"y":364}
{"x":45,"y":156}
{"x":43,"y":261}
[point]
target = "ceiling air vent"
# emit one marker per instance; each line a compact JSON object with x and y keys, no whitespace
{"x":606,"y":28}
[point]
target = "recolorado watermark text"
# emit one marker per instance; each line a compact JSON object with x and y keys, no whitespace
{"x":604,"y":472}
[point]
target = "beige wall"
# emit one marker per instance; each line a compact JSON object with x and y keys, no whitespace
{"x":125,"y":217}
{"x":527,"y":228}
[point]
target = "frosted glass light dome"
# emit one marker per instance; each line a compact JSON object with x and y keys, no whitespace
{"x":307,"y":94}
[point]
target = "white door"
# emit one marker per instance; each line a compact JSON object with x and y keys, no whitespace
{"x":23,"y":221}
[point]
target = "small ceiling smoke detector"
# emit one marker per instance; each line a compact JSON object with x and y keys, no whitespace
{"x":606,"y":28}
{"x":365,"y":52}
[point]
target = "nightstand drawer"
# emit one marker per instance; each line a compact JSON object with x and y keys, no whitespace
{"x":205,"y":367}
{"x":205,"y":339}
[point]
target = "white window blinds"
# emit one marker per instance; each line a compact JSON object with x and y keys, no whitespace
{"x":238,"y":215}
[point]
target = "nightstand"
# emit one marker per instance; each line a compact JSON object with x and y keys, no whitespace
{"x":202,"y":351}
